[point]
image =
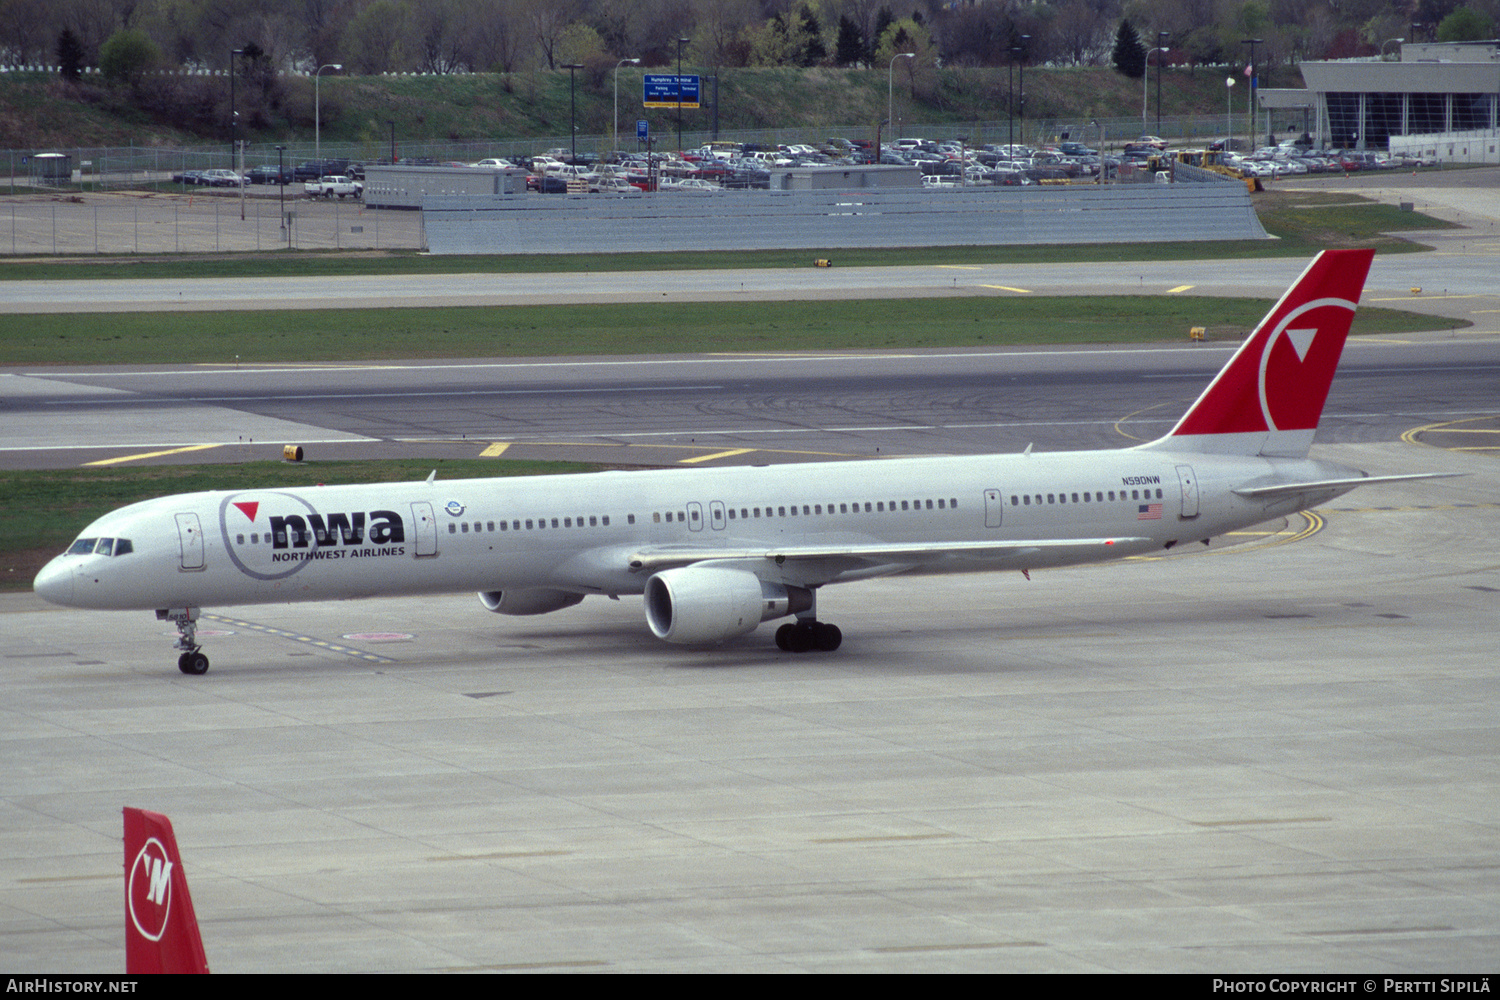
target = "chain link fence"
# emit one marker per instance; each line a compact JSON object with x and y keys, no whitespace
{"x":127,"y":167}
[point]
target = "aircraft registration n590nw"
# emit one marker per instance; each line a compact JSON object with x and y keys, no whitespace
{"x":717,"y":551}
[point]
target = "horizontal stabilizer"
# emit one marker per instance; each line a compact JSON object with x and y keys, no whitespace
{"x":1293,"y":489}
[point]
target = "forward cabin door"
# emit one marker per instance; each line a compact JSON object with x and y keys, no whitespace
{"x":424,"y":529}
{"x":190,"y":540}
{"x":994,"y":509}
{"x":1189,"y":483}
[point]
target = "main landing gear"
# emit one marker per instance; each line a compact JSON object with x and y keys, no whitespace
{"x":192,"y":660}
{"x":806,"y":634}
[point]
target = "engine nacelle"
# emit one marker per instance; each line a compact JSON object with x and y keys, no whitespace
{"x":694,"y":604}
{"x":527,"y":602}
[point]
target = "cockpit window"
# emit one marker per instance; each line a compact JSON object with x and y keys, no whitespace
{"x":105,"y":547}
{"x":82,"y":547}
{"x":122,"y":546}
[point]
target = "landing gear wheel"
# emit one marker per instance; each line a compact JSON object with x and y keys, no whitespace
{"x":785,"y":637}
{"x":193,"y":663}
{"x":827,"y":637}
{"x":800,"y":637}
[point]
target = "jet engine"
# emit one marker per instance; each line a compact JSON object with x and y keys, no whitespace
{"x":527,"y":602}
{"x":693,"y":604}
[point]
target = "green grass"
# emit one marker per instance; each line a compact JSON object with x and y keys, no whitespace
{"x":632,"y":328}
{"x":42,"y":511}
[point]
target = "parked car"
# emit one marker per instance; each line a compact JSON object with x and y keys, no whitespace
{"x":269,"y":175}
{"x":331,"y":186}
{"x":222,"y":178}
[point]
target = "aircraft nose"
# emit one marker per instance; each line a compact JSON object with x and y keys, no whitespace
{"x":55,"y":582}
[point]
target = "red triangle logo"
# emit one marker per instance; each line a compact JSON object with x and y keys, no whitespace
{"x":248,"y":508}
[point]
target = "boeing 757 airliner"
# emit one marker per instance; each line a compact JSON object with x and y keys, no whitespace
{"x":715,"y":552}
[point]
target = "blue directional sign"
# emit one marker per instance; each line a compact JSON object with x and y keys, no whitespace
{"x":666,"y":90}
{"x":642,"y":130}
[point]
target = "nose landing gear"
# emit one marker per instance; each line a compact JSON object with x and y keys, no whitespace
{"x":192,"y":661}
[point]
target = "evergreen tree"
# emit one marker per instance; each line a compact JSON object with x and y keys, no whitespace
{"x":884,"y":19}
{"x":813,"y":49}
{"x":1130,"y":54}
{"x":69,"y":55}
{"x":851,"y":45}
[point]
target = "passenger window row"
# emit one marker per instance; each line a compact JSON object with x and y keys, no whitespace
{"x":531,"y":524}
{"x":817,"y":509}
{"x":1025,"y":499}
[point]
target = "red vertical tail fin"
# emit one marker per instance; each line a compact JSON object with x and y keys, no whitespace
{"x":161,"y":929}
{"x":1269,"y":397}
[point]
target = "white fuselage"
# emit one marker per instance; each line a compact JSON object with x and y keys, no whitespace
{"x":581,"y":533}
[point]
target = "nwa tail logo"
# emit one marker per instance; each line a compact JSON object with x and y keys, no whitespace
{"x":1278,"y":381}
{"x":149,"y":890}
{"x":161,"y":929}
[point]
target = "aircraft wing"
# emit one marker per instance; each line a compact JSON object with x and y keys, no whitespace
{"x":664,"y":557}
{"x":1292,"y":489}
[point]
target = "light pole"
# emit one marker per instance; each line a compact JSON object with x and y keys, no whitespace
{"x":391,"y":122}
{"x":1010,"y":101}
{"x":1025,"y":44}
{"x":1103,"y":168}
{"x":622,"y":62}
{"x":573,"y":101}
{"x":281,"y":183}
{"x":318,"y":109}
{"x":1161,"y":46}
{"x":1146,"y":79}
{"x":680,"y":43}
{"x":878,"y":129}
{"x":234,"y":116}
{"x":890,"y":84}
{"x":1228,"y":113}
{"x":1388,"y":41}
{"x":1250,"y":110}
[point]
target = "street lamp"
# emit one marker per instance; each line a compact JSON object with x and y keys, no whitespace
{"x":1161,"y":46}
{"x":318,"y":110}
{"x":1388,"y":41}
{"x":1025,"y":44}
{"x":680,"y":43}
{"x":1228,"y":113}
{"x":392,"y":124}
{"x":622,"y":62}
{"x":573,"y":101}
{"x":234,"y":116}
{"x":281,"y":182}
{"x":1250,"y":110}
{"x":890,"y":85}
{"x":1145,"y":79}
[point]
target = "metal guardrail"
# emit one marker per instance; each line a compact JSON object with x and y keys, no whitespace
{"x":867,"y":217}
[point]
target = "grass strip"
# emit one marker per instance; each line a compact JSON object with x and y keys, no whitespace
{"x":279,"y":336}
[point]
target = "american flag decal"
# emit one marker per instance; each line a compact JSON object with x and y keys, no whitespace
{"x":1149,"y":512}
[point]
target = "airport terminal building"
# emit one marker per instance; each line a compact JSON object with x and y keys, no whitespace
{"x":1432,"y":90}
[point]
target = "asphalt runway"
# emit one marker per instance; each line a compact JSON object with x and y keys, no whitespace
{"x":1465,"y":267}
{"x":704,"y":409}
{"x":1274,"y":754}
